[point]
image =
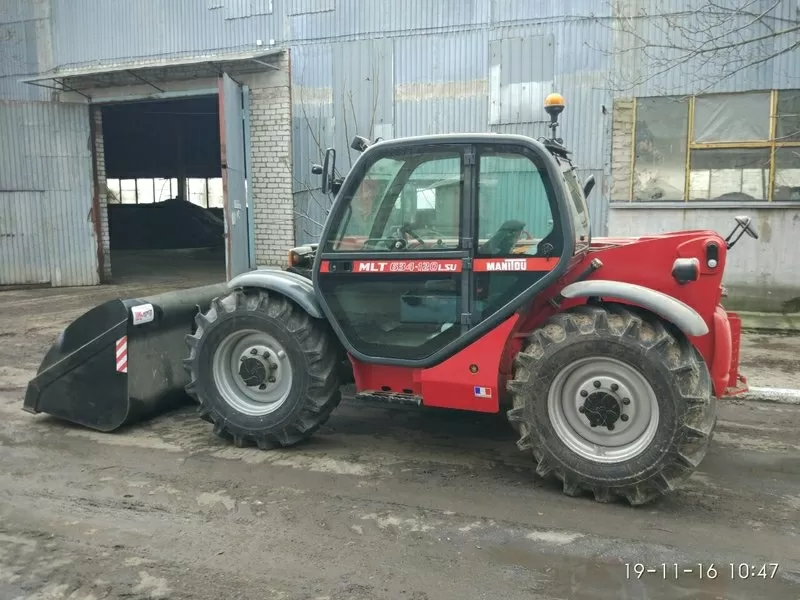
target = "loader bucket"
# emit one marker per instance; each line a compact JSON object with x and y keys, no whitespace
{"x":120,"y":362}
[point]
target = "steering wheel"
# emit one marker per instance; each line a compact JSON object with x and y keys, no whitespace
{"x":387,"y":243}
{"x":408,"y":229}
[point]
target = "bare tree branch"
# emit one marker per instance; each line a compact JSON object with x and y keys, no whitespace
{"x":707,"y":45}
{"x":345,"y":113}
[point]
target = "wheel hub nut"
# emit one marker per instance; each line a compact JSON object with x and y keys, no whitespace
{"x":253,"y":371}
{"x":601,"y":408}
{"x":258,"y":367}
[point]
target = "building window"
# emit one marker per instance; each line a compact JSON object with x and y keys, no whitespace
{"x":717,"y":147}
{"x":204,"y":192}
{"x":659,"y":149}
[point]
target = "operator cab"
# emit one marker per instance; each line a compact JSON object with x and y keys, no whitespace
{"x":434,"y":240}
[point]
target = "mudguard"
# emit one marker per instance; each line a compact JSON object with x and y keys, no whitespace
{"x":120,"y":362}
{"x":683,"y":316}
{"x":292,"y":285}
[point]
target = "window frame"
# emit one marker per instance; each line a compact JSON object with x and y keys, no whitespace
{"x":771,"y":143}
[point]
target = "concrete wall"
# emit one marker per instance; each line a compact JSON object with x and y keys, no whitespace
{"x":761,"y":275}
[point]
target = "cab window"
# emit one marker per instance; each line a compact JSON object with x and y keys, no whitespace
{"x":414,"y":198}
{"x":514,"y":212}
{"x":515,"y":223}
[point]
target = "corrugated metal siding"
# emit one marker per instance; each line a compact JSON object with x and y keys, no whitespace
{"x":436,"y":55}
{"x":363,"y":93}
{"x":307,"y":7}
{"x":312,"y":132}
{"x":520,"y":75}
{"x":441,"y":84}
{"x":441,"y":57}
{"x":19,"y":56}
{"x":359,"y":18}
{"x":88,"y":31}
{"x":23,"y":238}
{"x":46,"y":176}
{"x":11,"y":88}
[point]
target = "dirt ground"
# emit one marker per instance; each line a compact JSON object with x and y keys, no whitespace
{"x":383,"y":503}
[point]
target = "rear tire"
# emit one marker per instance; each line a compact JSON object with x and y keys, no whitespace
{"x":643,"y":385}
{"x":262,"y":371}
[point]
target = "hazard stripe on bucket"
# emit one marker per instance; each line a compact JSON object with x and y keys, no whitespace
{"x":122,"y":354}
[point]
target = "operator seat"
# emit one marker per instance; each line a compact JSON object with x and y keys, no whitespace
{"x":503,"y":240}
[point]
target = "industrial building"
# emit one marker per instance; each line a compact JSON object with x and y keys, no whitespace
{"x":131,"y":129}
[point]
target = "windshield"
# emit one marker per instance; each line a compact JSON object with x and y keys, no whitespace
{"x":578,"y":209}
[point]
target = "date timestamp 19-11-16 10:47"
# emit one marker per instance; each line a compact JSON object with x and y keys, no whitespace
{"x":703,"y":570}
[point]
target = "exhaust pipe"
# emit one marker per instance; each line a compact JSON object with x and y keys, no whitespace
{"x":121,"y":362}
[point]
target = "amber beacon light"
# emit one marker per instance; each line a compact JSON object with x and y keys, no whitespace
{"x":554,"y":103}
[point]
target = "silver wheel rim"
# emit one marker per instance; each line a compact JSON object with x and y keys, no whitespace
{"x":252,"y":372}
{"x":615,"y":397}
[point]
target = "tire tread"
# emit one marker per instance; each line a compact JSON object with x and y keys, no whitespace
{"x":658,"y":342}
{"x":323,"y":393}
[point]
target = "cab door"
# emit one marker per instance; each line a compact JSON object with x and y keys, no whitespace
{"x":519,"y":235}
{"x":393,"y":264}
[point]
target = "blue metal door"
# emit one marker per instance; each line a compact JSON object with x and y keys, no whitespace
{"x":231,"y":123}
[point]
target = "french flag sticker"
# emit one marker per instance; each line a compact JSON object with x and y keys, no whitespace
{"x":483,"y":392}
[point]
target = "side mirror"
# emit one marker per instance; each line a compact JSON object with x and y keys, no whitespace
{"x":744,"y":222}
{"x":359,"y":144}
{"x":588,"y":185}
{"x":328,"y":167}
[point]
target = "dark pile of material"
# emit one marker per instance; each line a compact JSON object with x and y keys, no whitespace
{"x":165,"y":225}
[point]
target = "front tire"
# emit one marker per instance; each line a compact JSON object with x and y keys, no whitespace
{"x":612,"y":402}
{"x":262,"y":371}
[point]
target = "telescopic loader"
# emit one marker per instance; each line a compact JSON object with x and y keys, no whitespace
{"x":453,"y":271}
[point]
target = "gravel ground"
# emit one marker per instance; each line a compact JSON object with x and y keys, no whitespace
{"x":382,"y":503}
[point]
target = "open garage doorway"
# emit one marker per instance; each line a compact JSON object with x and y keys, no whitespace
{"x":164,"y":186}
